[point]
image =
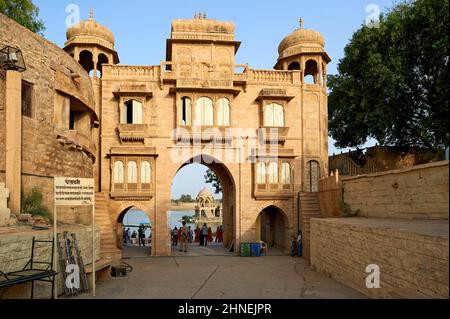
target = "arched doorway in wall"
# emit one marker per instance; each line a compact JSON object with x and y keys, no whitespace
{"x":206,"y":206}
{"x":273,"y":229}
{"x":312,"y":176}
{"x":132,"y":222}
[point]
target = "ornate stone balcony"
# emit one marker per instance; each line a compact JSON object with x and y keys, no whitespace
{"x":204,"y":134}
{"x":132,"y":133}
{"x":273,"y":135}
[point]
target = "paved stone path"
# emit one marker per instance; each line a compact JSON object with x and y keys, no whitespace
{"x":220,"y":274}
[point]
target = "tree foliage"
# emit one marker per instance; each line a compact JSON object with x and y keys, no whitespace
{"x":393,"y":82}
{"x":186,"y":199}
{"x":211,"y":178}
{"x":24,"y":12}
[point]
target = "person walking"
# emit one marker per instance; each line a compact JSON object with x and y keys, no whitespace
{"x":217,"y":234}
{"x":175,"y":237}
{"x":220,"y":234}
{"x":184,"y":237}
{"x":197,"y":235}
{"x":191,"y":235}
{"x":141,"y":235}
{"x":204,"y":238}
{"x":299,"y":244}
{"x":128,"y":236}
{"x":209,"y":235}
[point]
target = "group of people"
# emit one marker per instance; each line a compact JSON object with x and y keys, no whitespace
{"x":202,"y":236}
{"x":139,"y":236}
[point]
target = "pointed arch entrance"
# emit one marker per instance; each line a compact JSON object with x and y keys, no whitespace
{"x":228,"y":193}
{"x":272,"y":227}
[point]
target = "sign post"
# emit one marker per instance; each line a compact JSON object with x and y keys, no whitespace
{"x":74,"y":191}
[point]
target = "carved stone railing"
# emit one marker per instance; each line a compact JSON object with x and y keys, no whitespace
{"x":269,"y":76}
{"x":274,"y":135}
{"x":132,"y":133}
{"x":204,"y":134}
{"x":127,"y":71}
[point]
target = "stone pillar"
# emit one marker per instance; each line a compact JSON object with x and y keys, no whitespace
{"x":5,"y":212}
{"x":14,"y":138}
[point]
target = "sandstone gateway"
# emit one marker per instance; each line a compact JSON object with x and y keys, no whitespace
{"x":263,"y":132}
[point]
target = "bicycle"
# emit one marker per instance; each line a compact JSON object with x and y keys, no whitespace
{"x":293,"y":248}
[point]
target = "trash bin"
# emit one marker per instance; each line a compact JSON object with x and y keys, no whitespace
{"x":256,"y":249}
{"x":245,"y":250}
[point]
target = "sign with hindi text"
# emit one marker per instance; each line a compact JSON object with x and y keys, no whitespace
{"x":74,"y":191}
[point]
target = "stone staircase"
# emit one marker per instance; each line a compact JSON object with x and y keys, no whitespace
{"x":309,"y":208}
{"x":108,"y":246}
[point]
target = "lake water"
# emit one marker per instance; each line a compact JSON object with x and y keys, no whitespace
{"x":138,"y":217}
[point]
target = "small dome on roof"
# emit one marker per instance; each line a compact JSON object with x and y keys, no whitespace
{"x":204,"y":193}
{"x":301,"y":36}
{"x":90,"y":28}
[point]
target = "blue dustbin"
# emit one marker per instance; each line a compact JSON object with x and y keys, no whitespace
{"x":256,"y":249}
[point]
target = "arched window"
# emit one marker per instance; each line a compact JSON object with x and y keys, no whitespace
{"x":223,"y":112}
{"x":261,"y":173}
{"x":311,"y":72}
{"x":118,"y":172}
{"x":185,"y":112}
{"x":146,"y":172}
{"x":207,"y":203}
{"x":132,"y":172}
{"x":294,"y":66}
{"x":102,"y":59}
{"x":273,"y":173}
{"x":274,"y":115}
{"x":132,"y":112}
{"x":312,"y":176}
{"x":286,"y":173}
{"x":86,"y":60}
{"x":204,"y":112}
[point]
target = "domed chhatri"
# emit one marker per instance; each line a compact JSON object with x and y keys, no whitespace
{"x":207,"y":209}
{"x":89,"y":29}
{"x":301,"y":37}
{"x":205,"y":193}
{"x":295,"y":48}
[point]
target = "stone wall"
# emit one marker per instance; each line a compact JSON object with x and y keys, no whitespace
{"x":43,"y":156}
{"x":330,"y":195}
{"x":412,"y":255}
{"x":420,"y":192}
{"x":15,"y":252}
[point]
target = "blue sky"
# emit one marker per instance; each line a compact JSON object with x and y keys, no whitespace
{"x":141,"y":28}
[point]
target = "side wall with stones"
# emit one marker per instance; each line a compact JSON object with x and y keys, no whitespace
{"x":44,"y":156}
{"x":420,"y":192}
{"x":411,"y":264}
{"x":15,"y":252}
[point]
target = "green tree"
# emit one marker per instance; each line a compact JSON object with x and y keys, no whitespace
{"x":211,"y":178}
{"x":393,"y":82}
{"x":24,"y":12}
{"x":186,"y":198}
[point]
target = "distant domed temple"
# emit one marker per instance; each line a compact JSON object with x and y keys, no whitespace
{"x":207,"y":209}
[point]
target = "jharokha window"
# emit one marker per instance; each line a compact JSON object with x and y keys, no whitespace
{"x":204,"y":112}
{"x":274,"y":115}
{"x":131,"y":176}
{"x":223,"y":112}
{"x":273,"y":176}
{"x":185,"y":112}
{"x":131,"y":112}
